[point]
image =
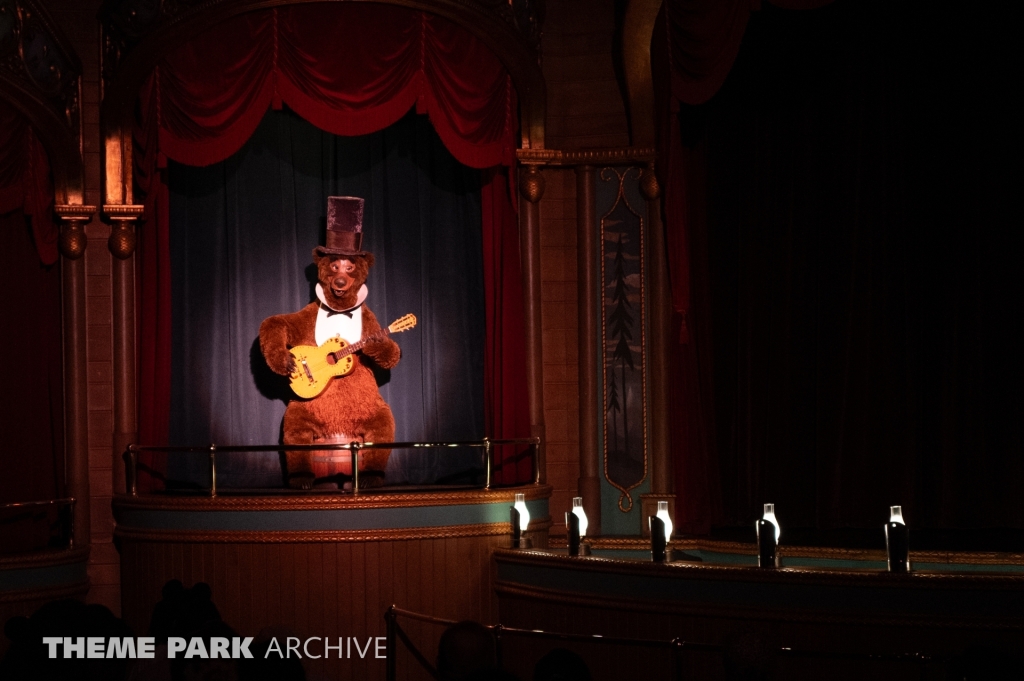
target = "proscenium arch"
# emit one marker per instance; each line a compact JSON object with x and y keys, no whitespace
{"x":478,"y":18}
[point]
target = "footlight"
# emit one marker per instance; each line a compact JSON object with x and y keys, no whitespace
{"x":520,"y":517}
{"x":576,"y":527}
{"x":897,"y":541}
{"x":768,"y":533}
{"x":661,"y":532}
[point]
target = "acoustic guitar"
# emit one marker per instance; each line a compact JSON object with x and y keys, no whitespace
{"x":315,"y":366}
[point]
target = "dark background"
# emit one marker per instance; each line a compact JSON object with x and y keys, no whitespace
{"x":862,"y":267}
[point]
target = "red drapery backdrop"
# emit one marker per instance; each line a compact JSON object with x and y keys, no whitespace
{"x":350,"y":69}
{"x":694,"y":46}
{"x":32,"y":428}
{"x":25,"y":181}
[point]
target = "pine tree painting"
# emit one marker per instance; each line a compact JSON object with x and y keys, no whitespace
{"x":625,"y":464}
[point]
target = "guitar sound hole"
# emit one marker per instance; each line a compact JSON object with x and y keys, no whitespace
{"x":332,"y":359}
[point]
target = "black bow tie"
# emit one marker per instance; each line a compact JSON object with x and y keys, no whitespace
{"x":330,"y":312}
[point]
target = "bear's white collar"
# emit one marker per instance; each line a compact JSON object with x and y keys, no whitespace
{"x":360,"y":298}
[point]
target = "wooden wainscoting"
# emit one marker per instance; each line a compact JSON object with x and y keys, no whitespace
{"x":325,"y":566}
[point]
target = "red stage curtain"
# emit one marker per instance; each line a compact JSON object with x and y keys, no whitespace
{"x":32,"y":428}
{"x":350,"y":69}
{"x":693,"y":49}
{"x":25,"y":181}
{"x":507,"y":411}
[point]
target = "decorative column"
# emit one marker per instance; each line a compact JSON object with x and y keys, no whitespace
{"x":531,"y":189}
{"x":122,"y":246}
{"x":588,"y":288}
{"x":660,"y":326}
{"x":72,"y":245}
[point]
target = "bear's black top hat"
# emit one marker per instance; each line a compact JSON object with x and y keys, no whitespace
{"x":344,"y":227}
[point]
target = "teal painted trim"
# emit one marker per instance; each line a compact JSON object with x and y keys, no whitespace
{"x":717,"y":558}
{"x":319,"y":520}
{"x":722,"y":558}
{"x":965,"y":567}
{"x":43,"y":577}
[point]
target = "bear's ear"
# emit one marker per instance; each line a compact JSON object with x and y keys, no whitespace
{"x":369,"y":260}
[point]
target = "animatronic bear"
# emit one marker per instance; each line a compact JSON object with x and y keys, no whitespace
{"x":350,"y":408}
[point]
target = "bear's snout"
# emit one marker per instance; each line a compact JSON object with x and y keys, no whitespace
{"x":340,"y":284}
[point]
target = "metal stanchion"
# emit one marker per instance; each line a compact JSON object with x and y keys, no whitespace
{"x":488,"y":462}
{"x":213,"y":470}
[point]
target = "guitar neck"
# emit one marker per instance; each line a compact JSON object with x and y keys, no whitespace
{"x":360,"y":344}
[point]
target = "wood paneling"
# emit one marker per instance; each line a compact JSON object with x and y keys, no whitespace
{"x":321,"y":589}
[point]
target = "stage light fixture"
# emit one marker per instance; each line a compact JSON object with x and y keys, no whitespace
{"x":666,"y":519}
{"x":768,"y":533}
{"x":897,"y":541}
{"x":659,"y":543}
{"x":520,"y":518}
{"x":577,"y":510}
{"x":576,"y":529}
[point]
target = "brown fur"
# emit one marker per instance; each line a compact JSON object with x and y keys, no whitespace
{"x":351,"y":405}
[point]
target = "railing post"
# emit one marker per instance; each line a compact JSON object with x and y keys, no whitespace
{"x":536,"y":461}
{"x":497,"y":645}
{"x":213,"y":470}
{"x":488,"y":462}
{"x":354,"y":451}
{"x":677,"y":658}
{"x":71,"y":523}
{"x":392,"y":656}
{"x":133,"y":472}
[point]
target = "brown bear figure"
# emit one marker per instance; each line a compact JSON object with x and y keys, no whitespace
{"x":350,"y":408}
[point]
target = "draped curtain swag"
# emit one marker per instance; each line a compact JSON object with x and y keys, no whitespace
{"x":350,"y":69}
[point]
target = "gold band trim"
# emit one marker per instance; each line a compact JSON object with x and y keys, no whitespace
{"x":554,"y":157}
{"x":49,"y":593}
{"x":328,"y":502}
{"x":321,"y":536}
{"x":44,"y":559}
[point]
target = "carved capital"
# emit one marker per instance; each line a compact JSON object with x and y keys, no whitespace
{"x":72,"y":241}
{"x":649,"y":186}
{"x":531,"y":183}
{"x":122,"y":239}
{"x":122,"y":234}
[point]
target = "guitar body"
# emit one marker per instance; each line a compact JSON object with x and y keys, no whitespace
{"x":315,"y":366}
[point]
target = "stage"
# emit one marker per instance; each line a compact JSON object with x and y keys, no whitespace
{"x":322,"y":565}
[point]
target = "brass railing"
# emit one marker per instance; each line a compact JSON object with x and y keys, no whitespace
{"x":486,"y":444}
{"x":676,"y":647}
{"x":65,"y":515}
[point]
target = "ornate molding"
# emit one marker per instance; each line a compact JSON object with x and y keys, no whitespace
{"x":786,"y":575}
{"x":73,"y":240}
{"x":323,"y":502}
{"x":121,"y":241}
{"x":482,"y":530}
{"x":43,"y":559}
{"x":827,"y":553}
{"x":310,"y":536}
{"x":34,"y":54}
{"x":41,"y":76}
{"x":531,"y":183}
{"x":621,"y":156}
{"x":46,"y":594}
